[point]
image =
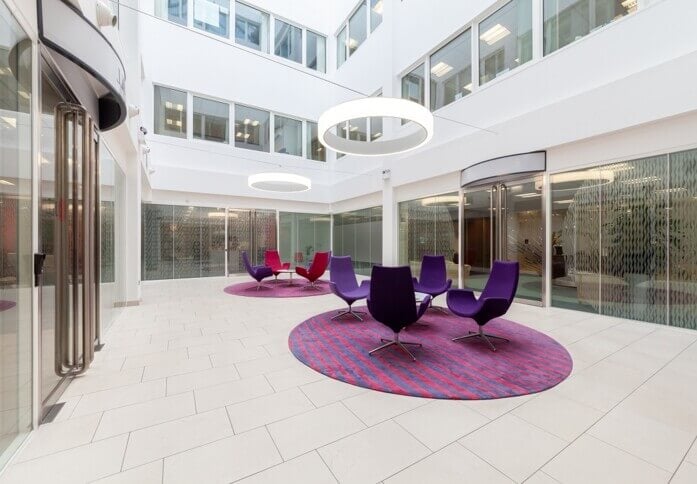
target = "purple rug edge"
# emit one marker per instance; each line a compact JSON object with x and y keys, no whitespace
{"x":280,"y":289}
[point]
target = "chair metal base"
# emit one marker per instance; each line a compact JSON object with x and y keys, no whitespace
{"x":260,"y":285}
{"x":483,"y":336}
{"x":313,"y":285}
{"x":350,"y":311}
{"x":395,"y":342}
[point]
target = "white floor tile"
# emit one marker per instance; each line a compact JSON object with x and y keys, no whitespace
{"x":97,"y":381}
{"x":57,"y":436}
{"x":119,"y":397}
{"x":328,"y":391}
{"x":201,"y":379}
{"x":292,"y":377}
{"x":453,"y":464}
{"x":373,"y":454}
{"x":146,"y":474}
{"x":513,"y":446}
{"x":78,"y":465}
{"x":154,"y":443}
{"x":264,"y":410}
{"x":557,"y":415}
{"x":181,"y":367}
{"x":589,"y":460}
{"x":686,"y":474}
{"x":218,"y":396}
{"x":262,"y":366}
{"x":223,"y":461}
{"x":441,"y":422}
{"x":296,"y":435}
{"x":376,"y":407}
{"x":140,"y":415}
{"x":306,"y":469}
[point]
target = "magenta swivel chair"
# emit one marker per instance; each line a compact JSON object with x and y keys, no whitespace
{"x":494,"y":301}
{"x":272,"y":259}
{"x":319,"y":265}
{"x":433,"y":279}
{"x":259,"y":273}
{"x":343,"y":283}
{"x":392,"y":302}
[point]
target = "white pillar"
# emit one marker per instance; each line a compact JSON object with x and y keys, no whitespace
{"x":133,"y":233}
{"x":390,"y":224}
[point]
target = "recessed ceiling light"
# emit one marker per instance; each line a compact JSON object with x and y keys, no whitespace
{"x":377,"y":8}
{"x":441,"y":69}
{"x":11,"y":121}
{"x":571,"y":200}
{"x":448,"y":200}
{"x":24,"y":94}
{"x":529,"y":195}
{"x":494,"y":34}
{"x":6,"y":182}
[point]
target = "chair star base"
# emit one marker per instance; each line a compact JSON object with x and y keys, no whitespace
{"x":349,"y":311}
{"x":395,"y":342}
{"x":483,"y":336}
{"x":313,"y":285}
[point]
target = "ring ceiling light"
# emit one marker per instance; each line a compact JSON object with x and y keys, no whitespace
{"x":279,"y":182}
{"x":376,"y":107}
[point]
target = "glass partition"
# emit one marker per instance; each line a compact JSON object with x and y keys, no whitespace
{"x":16,"y":278}
{"x":429,"y":226}
{"x":253,"y":231}
{"x":303,"y":234}
{"x":622,"y":239}
{"x":359,"y":234}
{"x":182,"y":242}
{"x":112,"y":198}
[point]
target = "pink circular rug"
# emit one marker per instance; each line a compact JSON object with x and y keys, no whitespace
{"x":464,"y":370}
{"x":279,"y":289}
{"x":5,"y":305}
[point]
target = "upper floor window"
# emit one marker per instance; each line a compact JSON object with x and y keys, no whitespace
{"x":451,"y":71}
{"x":357,"y":28}
{"x":251,"y":27}
{"x":170,"y":112}
{"x":212,"y":16}
{"x":375,"y":14}
{"x":568,"y":20}
{"x":316,"y":52}
{"x":211,"y":120}
{"x":288,"y":135}
{"x":505,"y":40}
{"x":413,"y":86}
{"x":315,"y":149}
{"x":173,"y":10}
{"x":289,"y":41}
{"x":252,"y":128}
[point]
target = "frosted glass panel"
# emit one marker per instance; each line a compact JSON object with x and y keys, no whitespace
{"x":359,"y":235}
{"x":302,"y":235}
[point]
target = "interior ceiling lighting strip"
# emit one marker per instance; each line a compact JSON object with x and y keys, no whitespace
{"x":376,"y":107}
{"x":279,"y":182}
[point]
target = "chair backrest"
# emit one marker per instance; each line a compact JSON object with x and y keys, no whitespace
{"x":503,"y":281}
{"x":319,"y":263}
{"x":245,"y":261}
{"x":392,"y":300}
{"x":433,"y":271}
{"x":272,"y":259}
{"x":342,"y":274}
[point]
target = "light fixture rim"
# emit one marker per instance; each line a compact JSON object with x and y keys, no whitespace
{"x":373,"y":107}
{"x":291,"y":178}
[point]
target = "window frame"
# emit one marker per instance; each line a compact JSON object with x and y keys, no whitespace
{"x":345,"y":25}
{"x":229,"y":130}
{"x":186,"y":111}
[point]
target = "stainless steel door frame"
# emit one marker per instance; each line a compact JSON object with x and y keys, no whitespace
{"x":76,"y":330}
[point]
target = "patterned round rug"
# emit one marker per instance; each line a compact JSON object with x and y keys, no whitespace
{"x":464,"y":370}
{"x":5,"y":305}
{"x":300,"y":288}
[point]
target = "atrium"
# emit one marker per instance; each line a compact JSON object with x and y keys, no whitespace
{"x":348,"y":241}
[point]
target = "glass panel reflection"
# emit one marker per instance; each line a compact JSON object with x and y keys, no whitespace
{"x":359,"y":234}
{"x":303,"y":234}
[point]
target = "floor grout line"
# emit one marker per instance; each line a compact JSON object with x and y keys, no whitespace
{"x":683,"y":460}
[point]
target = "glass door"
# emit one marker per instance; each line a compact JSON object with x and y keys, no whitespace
{"x":504,"y":221}
{"x":16,"y":281}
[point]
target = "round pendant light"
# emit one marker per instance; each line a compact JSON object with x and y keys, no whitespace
{"x":279,"y":182}
{"x":376,"y":107}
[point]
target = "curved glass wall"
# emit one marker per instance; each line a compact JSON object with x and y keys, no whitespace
{"x":429,"y":226}
{"x":623,"y":239}
{"x":303,"y":234}
{"x":16,"y":277}
{"x":359,"y":234}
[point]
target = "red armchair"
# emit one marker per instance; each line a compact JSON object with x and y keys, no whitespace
{"x":272,"y":259}
{"x":316,"y":269}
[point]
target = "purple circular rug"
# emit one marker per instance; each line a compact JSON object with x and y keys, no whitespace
{"x":279,"y":289}
{"x":464,"y":370}
{"x":5,"y":305}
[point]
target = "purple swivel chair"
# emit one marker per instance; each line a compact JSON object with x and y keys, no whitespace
{"x":342,"y":282}
{"x":392,"y":302}
{"x":433,"y":279}
{"x":259,"y":273}
{"x":494,"y":301}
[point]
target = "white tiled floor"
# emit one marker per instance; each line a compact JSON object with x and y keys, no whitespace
{"x":195,"y":386}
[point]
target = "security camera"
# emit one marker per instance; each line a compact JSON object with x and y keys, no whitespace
{"x":105,"y":17}
{"x":144,"y":130}
{"x":133,"y":111}
{"x":146,"y":149}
